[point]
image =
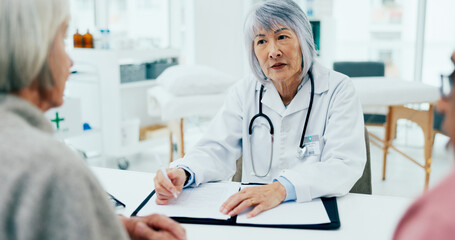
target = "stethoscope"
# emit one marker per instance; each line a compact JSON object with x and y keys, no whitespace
{"x":302,"y":147}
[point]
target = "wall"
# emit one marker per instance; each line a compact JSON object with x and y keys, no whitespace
{"x":214,"y":35}
{"x":439,"y":40}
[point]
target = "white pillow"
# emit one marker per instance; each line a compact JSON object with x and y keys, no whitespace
{"x":183,"y":80}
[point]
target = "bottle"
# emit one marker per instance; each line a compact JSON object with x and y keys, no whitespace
{"x":310,"y":8}
{"x":107,"y":39}
{"x":88,"y":40}
{"x":104,"y":40}
{"x":101,"y":42}
{"x":77,"y":39}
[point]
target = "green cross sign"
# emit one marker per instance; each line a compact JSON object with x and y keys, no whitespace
{"x":57,"y":120}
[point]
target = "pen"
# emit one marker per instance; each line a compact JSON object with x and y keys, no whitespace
{"x":163,"y":171}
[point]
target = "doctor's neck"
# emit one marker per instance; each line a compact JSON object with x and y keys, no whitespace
{"x":287,"y":89}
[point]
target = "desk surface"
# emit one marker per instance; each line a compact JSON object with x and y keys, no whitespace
{"x":362,"y":216}
{"x":384,"y":91}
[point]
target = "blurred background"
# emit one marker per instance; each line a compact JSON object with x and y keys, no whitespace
{"x":113,"y":120}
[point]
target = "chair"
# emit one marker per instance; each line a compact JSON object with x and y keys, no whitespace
{"x":360,"y":69}
{"x":438,"y":119}
{"x":363,"y":185}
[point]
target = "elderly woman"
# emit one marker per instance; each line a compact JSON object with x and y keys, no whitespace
{"x":297,"y":125}
{"x":46,"y":191}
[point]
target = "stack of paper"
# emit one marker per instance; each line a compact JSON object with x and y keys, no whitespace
{"x":205,"y":201}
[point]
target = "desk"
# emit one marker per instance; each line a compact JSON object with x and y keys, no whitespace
{"x":393,"y":94}
{"x":362,"y":216}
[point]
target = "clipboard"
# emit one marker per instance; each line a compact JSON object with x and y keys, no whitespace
{"x":330,"y":205}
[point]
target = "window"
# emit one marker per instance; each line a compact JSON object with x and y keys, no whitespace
{"x":377,"y":30}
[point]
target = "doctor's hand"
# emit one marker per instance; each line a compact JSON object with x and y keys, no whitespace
{"x":166,"y":189}
{"x":153,"y":226}
{"x":262,"y":198}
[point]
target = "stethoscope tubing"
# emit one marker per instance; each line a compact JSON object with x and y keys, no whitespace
{"x":261,"y":114}
{"x":302,"y":140}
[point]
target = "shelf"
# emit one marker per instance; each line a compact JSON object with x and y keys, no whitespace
{"x":114,"y":99}
{"x":138,"y":84}
{"x":141,"y":56}
{"x":123,"y":56}
{"x":138,"y":147}
{"x":386,"y":28}
{"x":82,"y":133}
{"x":84,"y":77}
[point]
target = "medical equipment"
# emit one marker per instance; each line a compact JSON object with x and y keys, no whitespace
{"x":301,"y":151}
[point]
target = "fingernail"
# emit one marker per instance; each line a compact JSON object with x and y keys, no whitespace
{"x":231,"y":213}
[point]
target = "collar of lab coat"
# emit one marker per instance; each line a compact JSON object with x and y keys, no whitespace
{"x":301,"y":101}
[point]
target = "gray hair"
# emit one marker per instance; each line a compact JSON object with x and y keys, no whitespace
{"x":27,"y":32}
{"x":269,"y":16}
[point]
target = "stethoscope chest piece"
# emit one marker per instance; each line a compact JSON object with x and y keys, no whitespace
{"x":301,"y":151}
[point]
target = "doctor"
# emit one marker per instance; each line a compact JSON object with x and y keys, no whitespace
{"x":298,"y":125}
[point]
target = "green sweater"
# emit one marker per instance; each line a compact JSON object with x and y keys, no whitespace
{"x":46,"y":191}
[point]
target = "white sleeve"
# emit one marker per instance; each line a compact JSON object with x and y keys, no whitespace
{"x":213,"y":157}
{"x":343,"y":156}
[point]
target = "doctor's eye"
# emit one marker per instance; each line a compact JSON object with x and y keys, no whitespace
{"x":260,"y":42}
{"x":281,"y":37}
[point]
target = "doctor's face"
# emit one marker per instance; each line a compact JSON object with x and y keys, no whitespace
{"x":278,"y":53}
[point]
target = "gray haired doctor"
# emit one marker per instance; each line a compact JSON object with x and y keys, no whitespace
{"x":298,"y":125}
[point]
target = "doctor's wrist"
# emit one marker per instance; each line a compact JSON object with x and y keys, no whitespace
{"x":187,"y":176}
{"x":281,"y":190}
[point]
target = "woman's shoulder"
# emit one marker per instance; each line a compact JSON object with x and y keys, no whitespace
{"x":246,"y":82}
{"x":331,"y":79}
{"x":244,"y":86}
{"x":30,"y":150}
{"x":333,"y":76}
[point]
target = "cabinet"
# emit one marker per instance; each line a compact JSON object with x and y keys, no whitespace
{"x":106,"y":102}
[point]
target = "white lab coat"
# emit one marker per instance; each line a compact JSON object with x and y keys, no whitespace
{"x":336,"y":119}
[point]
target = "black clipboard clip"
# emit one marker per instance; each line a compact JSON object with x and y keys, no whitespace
{"x":115,"y":201}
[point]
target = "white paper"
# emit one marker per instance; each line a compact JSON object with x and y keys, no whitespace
{"x":289,"y":213}
{"x":200,"y":202}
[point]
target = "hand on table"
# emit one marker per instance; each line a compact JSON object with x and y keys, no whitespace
{"x":262,"y":198}
{"x":153,"y":226}
{"x":166,"y":189}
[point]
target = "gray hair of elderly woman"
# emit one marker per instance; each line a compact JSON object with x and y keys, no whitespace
{"x":270,"y":16}
{"x":27,"y":32}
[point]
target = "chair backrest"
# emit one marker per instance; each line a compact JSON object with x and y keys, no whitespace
{"x":363,"y":185}
{"x":437,"y":121}
{"x":360,"y":69}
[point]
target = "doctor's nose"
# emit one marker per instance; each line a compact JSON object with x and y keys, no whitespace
{"x":274,"y":52}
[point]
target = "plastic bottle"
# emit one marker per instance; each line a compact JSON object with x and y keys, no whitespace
{"x":107,"y":39}
{"x":102,"y":39}
{"x":77,"y":39}
{"x":310,"y":8}
{"x":88,"y":40}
